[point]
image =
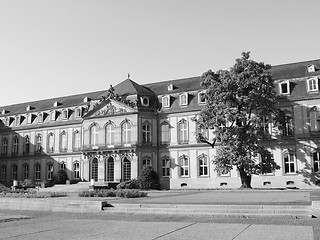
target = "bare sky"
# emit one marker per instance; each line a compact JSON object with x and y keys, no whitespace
{"x":52,"y":48}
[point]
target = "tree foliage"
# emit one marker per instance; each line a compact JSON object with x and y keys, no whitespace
{"x":239,"y":101}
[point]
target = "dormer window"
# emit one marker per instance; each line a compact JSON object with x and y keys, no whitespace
{"x":144,"y":101}
{"x":311,"y":68}
{"x":40,"y":117}
{"x":184,"y":99}
{"x":86,"y":99}
{"x":78,"y":112}
{"x":312,"y":85}
{"x":170,"y":87}
{"x":56,"y":104}
{"x":166,"y":101}
{"x":202,"y":97}
{"x":3,"y":111}
{"x":18,"y":120}
{"x":53,"y":115}
{"x":28,"y":108}
{"x":29,"y":118}
{"x":284,"y":87}
{"x":65,"y":114}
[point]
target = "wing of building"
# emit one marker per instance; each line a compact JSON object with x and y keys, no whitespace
{"x":110,"y":135}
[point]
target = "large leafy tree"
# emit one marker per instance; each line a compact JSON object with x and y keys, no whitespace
{"x":239,"y":101}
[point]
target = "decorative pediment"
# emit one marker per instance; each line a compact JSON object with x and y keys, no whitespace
{"x":111,"y":107}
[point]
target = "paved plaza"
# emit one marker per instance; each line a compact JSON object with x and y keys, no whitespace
{"x":55,"y":225}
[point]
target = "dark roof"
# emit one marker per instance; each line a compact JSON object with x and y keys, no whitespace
{"x":47,"y":104}
{"x":180,"y":85}
{"x":294,"y":70}
{"x":129,"y":87}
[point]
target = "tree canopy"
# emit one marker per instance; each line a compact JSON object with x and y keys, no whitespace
{"x":239,"y":106}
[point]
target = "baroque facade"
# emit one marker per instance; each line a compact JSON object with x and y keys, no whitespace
{"x":110,"y":135}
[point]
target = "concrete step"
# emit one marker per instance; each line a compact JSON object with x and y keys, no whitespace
{"x":219,"y":211}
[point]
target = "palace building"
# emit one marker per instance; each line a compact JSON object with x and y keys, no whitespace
{"x":110,"y":135}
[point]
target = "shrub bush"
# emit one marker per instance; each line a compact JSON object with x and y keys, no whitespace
{"x":131,"y":184}
{"x":149,"y":179}
{"x":60,"y":177}
{"x":124,"y":193}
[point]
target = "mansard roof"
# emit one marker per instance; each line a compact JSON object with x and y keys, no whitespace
{"x":291,"y":71}
{"x":294,"y":70}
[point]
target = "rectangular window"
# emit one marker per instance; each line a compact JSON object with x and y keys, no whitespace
{"x":165,"y":133}
{"x":284,"y":87}
{"x":184,"y":166}
{"x":289,"y":163}
{"x":312,"y":84}
{"x":3,"y":173}
{"x":184,"y":99}
{"x":166,"y":167}
{"x":316,"y":161}
{"x":202,"y":98}
{"x":166,"y":101}
{"x":37,"y":170}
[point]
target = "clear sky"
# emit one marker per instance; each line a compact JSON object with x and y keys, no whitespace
{"x":52,"y":48}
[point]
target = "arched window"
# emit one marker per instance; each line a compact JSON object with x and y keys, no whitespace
{"x":15,"y":147}
{"x":110,"y":169}
{"x":14,"y":172}
{"x":126,"y":170}
{"x":4,"y":145}
{"x":126,"y":133}
{"x":37,"y":171}
{"x":27,"y":144}
{"x":94,"y":135}
{"x":183,"y":133}
{"x":184,"y":165}
{"x":165,"y":133}
{"x":146,"y":161}
{"x":203,"y":165}
{"x":76,"y":141}
{"x":50,"y":143}
{"x":3,"y":173}
{"x":110,"y":134}
{"x":76,"y":170}
{"x":63,"y":142}
{"x":50,"y":171}
{"x":166,"y":163}
{"x":40,"y":117}
{"x":65,"y":114}
{"x":25,"y":171}
{"x":38,"y":143}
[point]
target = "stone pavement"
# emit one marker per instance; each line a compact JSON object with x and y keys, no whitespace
{"x":97,"y":228}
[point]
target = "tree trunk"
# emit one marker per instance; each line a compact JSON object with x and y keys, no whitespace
{"x":245,"y":178}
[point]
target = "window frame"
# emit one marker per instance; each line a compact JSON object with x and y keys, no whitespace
{"x":313,"y":86}
{"x":15,"y":145}
{"x":165,"y":101}
{"x":287,"y":83}
{"x":166,"y":166}
{"x":199,"y":98}
{"x":316,"y":162}
{"x":126,"y":132}
{"x":204,"y":166}
{"x":63,"y":143}
{"x":146,"y":132}
{"x":184,"y":166}
{"x":183,"y":131}
{"x":110,"y":134}
{"x":291,"y":161}
{"x":168,"y":132}
{"x":183,"y":99}
{"x":37,"y":171}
